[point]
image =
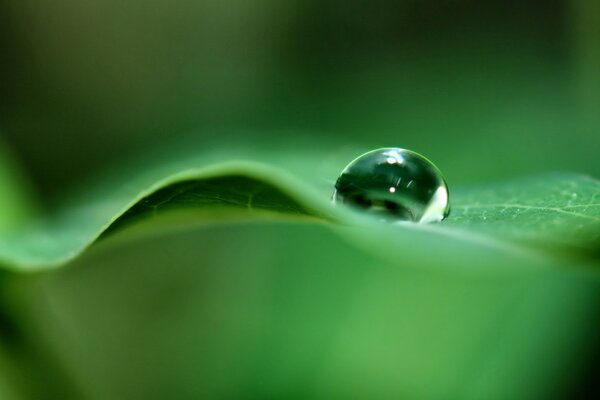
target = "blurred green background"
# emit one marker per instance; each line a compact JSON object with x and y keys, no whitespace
{"x":486,"y":89}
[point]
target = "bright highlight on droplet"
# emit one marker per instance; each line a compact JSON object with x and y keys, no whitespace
{"x":395,"y":184}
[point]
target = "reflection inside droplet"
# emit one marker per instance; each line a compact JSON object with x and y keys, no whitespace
{"x":395,"y":184}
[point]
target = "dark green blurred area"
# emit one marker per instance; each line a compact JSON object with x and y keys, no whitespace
{"x":485,"y":89}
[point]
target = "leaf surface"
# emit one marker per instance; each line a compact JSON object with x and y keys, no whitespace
{"x":555,"y":213}
{"x":279,"y":273}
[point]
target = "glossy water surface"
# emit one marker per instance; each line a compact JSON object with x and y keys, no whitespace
{"x":395,"y":184}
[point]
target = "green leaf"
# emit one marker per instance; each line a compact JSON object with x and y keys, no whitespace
{"x":550,"y":213}
{"x":236,"y":267}
{"x":554,"y":212}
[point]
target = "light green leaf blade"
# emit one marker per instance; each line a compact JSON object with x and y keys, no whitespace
{"x":551,"y":213}
{"x":554,"y":211}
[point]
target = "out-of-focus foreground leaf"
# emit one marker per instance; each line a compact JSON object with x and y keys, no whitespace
{"x":296,"y":310}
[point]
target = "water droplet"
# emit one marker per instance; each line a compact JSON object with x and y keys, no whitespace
{"x":395,"y":184}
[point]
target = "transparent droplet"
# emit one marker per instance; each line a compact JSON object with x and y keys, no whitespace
{"x":395,"y":184}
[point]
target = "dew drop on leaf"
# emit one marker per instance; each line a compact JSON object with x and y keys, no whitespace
{"x":394,"y":184}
